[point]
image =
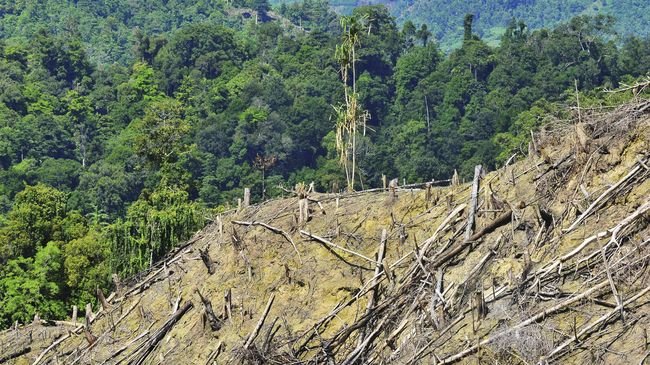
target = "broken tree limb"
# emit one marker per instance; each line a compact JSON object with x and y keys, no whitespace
{"x":426,"y":244}
{"x":473,"y":203}
{"x":593,"y":325}
{"x":260,"y":323}
{"x":354,"y":355}
{"x":611,"y":282}
{"x":602,"y":199}
{"x":272,"y":229}
{"x":379,"y":267}
{"x":553,"y":167}
{"x":320,"y":205}
{"x":612,"y":232}
{"x":536,"y":318}
{"x":207,"y":261}
{"x":57,"y":343}
{"x":214,"y":321}
{"x":14,"y":355}
{"x":214,"y":354}
{"x":141,"y":354}
{"x":503,"y":219}
{"x":125,"y":347}
{"x":324,"y":241}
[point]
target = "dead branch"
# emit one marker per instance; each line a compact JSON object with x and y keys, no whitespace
{"x":272,"y":229}
{"x":473,"y":203}
{"x":207,"y":261}
{"x":214,"y":321}
{"x":141,"y":354}
{"x":326,"y":242}
{"x":354,"y":355}
{"x":378,"y":269}
{"x":214,"y":354}
{"x":57,"y":343}
{"x":536,"y":318}
{"x":14,"y":355}
{"x":427,"y":243}
{"x":611,"y":282}
{"x":503,"y":219}
{"x":553,"y":167}
{"x":126,"y":346}
{"x":602,"y":199}
{"x":612,"y":232}
{"x":260,"y":323}
{"x":593,"y":325}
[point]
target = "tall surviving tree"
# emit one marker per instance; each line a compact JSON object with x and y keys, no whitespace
{"x":467,"y":26}
{"x":263,"y":163}
{"x":350,"y":116}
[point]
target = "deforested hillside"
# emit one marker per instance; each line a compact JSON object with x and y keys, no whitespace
{"x":544,"y":260}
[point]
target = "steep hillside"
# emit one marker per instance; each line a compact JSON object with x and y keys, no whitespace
{"x":557,"y":254}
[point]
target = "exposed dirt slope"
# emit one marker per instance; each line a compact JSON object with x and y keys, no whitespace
{"x":556,"y":235}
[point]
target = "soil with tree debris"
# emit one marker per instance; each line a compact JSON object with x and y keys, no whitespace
{"x":543,"y":261}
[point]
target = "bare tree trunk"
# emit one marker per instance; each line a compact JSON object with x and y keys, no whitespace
{"x":227,"y":304}
{"x":473,"y":203}
{"x":392,"y":189}
{"x":303,"y":211}
{"x":247,"y":197}
{"x":207,"y":260}
{"x":74,"y":314}
{"x":214,"y":321}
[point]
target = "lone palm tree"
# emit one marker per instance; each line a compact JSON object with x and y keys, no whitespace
{"x":349,"y":115}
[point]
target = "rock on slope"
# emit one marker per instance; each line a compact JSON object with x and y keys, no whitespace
{"x":554,"y":269}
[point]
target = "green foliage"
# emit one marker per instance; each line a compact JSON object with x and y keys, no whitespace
{"x":33,"y":285}
{"x":199,"y":50}
{"x":33,"y":221}
{"x":490,"y":18}
{"x":105,"y":167}
{"x":161,"y":133}
{"x":153,"y":225}
{"x":87,"y":265}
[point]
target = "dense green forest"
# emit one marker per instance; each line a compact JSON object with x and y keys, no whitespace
{"x":492,"y":17}
{"x":111,"y":157}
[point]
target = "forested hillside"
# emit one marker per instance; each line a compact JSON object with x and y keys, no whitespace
{"x":105,"y":166}
{"x":492,"y":17}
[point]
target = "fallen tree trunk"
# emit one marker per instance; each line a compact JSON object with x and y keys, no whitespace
{"x":146,"y":349}
{"x":272,"y":229}
{"x":322,"y":240}
{"x":539,"y":316}
{"x":503,"y":219}
{"x":260,"y":323}
{"x":602,"y":199}
{"x":593,"y":326}
{"x":14,"y":355}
